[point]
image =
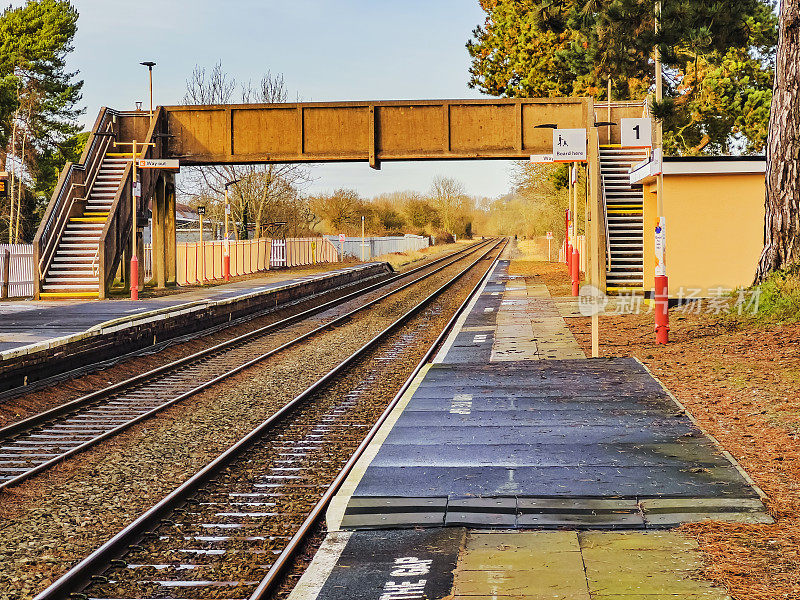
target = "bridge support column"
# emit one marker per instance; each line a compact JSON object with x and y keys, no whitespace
{"x":158,"y":234}
{"x":170,"y":244}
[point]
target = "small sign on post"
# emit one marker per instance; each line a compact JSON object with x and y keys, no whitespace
{"x":201,"y":210}
{"x":3,"y":184}
{"x":341,"y":246}
{"x":569,"y":145}
{"x":137,"y":189}
{"x":549,"y":242}
{"x":636,"y":133}
{"x":166,"y":164}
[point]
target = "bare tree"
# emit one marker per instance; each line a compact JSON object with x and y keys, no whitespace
{"x":340,"y":210}
{"x":265,"y":193}
{"x":450,"y":198}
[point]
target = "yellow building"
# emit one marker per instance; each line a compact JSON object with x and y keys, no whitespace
{"x":714,"y":209}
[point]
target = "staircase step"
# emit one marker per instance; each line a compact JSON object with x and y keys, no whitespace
{"x":68,"y":295}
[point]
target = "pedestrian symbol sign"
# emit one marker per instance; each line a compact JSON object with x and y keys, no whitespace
{"x":569,"y":145}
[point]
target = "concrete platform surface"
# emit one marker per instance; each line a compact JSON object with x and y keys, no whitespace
{"x":549,"y":439}
{"x":26,"y":323}
{"x":581,"y":443}
{"x":476,"y":565}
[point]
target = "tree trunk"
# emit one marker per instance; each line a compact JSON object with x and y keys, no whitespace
{"x":782,"y":224}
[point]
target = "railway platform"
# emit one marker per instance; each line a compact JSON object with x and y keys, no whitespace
{"x":37,"y":338}
{"x":515,"y":467}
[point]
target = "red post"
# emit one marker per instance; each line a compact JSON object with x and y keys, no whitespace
{"x":661,"y":291}
{"x":576,"y":272}
{"x":226,"y":264}
{"x":134,"y":277}
{"x":662,"y":309}
{"x":568,"y":242}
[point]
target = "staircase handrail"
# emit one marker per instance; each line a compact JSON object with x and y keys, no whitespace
{"x":605,"y":212}
{"x":65,"y":194}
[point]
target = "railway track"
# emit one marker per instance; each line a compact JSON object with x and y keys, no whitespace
{"x":231,"y":529}
{"x":36,"y":444}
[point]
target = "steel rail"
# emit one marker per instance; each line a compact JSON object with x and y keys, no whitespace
{"x":45,"y":416}
{"x":79,"y":371}
{"x":271,"y":579}
{"x":30,"y":424}
{"x":90,"y":568}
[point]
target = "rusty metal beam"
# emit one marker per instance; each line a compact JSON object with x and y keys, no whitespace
{"x":370,"y":131}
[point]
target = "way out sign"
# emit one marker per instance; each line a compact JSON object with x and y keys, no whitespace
{"x":569,"y":145}
{"x":167,"y":164}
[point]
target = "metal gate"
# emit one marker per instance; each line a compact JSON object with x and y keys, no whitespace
{"x":277,"y":257}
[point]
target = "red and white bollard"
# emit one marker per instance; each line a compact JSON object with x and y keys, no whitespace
{"x":661,"y":291}
{"x":226,"y":263}
{"x":662,"y":309}
{"x":134,"y":278}
{"x":576,"y":272}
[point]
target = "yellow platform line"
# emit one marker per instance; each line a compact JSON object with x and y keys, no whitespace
{"x":88,"y":220}
{"x":119,"y":154}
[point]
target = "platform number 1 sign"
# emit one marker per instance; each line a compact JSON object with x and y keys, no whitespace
{"x":636,"y":133}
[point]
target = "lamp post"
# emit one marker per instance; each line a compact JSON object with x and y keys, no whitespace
{"x":226,"y":257}
{"x":150,"y":64}
{"x":661,"y":283}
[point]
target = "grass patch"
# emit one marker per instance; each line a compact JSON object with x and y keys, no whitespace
{"x":778,"y":299}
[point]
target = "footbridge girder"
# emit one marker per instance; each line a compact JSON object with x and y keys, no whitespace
{"x":370,"y":131}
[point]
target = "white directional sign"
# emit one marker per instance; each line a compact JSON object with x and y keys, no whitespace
{"x":636,"y":133}
{"x":542,"y":158}
{"x":569,"y":145}
{"x":168,"y":164}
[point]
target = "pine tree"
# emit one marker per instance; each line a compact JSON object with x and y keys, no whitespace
{"x":541,"y":48}
{"x":782,"y":229}
{"x":38,"y":95}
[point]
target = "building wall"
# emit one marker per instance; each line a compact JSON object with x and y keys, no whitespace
{"x":715,"y":231}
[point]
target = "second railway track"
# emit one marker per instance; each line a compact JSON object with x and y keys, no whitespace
{"x":39,"y":442}
{"x":228,"y":531}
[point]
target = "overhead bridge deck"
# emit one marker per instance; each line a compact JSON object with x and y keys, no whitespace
{"x":371,"y":131}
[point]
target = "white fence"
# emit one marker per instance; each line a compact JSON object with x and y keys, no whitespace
{"x":16,"y":270}
{"x":378,"y":246}
{"x":198,"y":262}
{"x":581,"y":253}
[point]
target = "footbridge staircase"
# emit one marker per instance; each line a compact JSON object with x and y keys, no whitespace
{"x":86,"y":228}
{"x":622,"y":203}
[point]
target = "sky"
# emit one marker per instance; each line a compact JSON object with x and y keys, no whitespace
{"x":326,"y":50}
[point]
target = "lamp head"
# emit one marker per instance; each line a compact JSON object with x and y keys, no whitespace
{"x":148,"y":63}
